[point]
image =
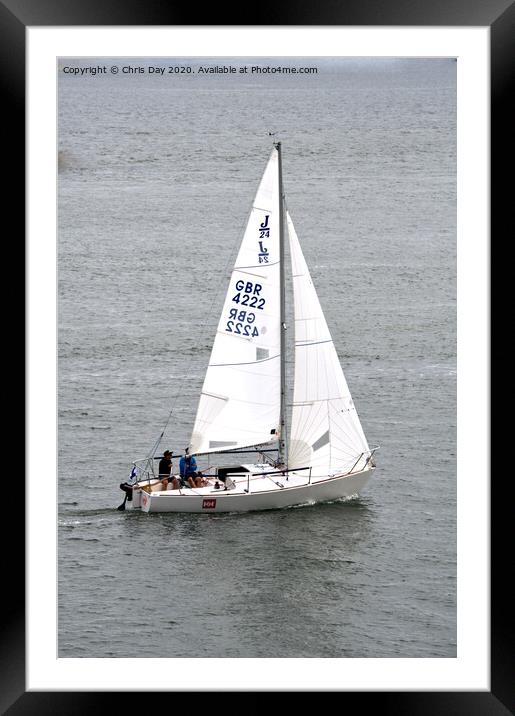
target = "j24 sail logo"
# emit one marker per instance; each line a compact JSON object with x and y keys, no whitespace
{"x":264,"y":232}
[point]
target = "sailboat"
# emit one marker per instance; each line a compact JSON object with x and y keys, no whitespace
{"x":317,"y":453}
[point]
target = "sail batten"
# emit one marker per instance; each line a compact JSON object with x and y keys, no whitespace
{"x":304,"y":344}
{"x":242,"y":269}
{"x":260,"y":360}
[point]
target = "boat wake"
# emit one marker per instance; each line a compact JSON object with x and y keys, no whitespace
{"x":71,"y":517}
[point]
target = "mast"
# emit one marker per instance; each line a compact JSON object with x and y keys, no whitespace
{"x":282,"y":457}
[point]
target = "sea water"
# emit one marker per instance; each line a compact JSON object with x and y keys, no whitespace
{"x":157,"y":172}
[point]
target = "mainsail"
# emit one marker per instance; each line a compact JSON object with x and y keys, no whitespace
{"x":325,"y":429}
{"x":240,"y":401}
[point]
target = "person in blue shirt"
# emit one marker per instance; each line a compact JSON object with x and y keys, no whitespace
{"x":188,"y":470}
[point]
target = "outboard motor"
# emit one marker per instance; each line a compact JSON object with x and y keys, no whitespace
{"x":128,"y":494}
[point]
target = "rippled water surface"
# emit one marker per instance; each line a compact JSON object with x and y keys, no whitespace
{"x":156,"y":178}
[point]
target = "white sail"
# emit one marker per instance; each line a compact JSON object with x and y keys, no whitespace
{"x":325,"y":430}
{"x":240,"y":401}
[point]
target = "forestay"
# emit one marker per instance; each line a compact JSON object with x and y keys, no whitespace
{"x":325,"y":432}
{"x":240,"y":401}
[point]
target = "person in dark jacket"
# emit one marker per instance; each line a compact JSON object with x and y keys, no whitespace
{"x":165,"y":469}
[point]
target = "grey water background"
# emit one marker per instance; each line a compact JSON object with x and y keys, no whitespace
{"x":156,"y":178}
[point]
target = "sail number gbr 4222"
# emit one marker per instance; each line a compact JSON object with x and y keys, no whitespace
{"x":240,"y":320}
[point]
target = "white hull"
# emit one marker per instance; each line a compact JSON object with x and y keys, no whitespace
{"x":262,"y":496}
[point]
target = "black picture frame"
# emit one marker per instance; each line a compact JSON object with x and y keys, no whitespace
{"x":499,"y":16}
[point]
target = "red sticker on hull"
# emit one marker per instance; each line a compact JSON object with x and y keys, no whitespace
{"x":208,"y":504}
